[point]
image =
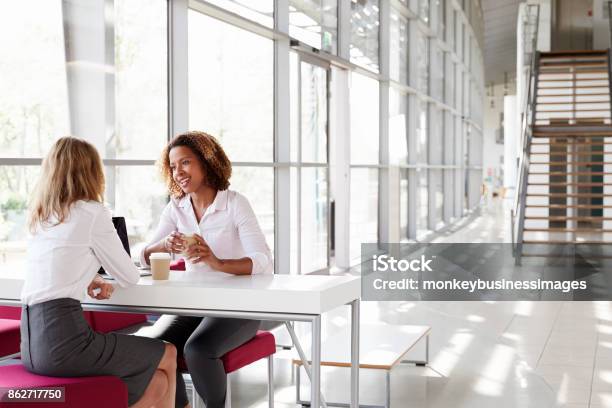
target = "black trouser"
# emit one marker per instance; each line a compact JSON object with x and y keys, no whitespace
{"x":202,"y":341}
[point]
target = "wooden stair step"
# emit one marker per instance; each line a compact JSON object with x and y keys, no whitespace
{"x":582,"y":64}
{"x":566,"y":153}
{"x":588,"y":256}
{"x":577,"y":195}
{"x":567,"y":163}
{"x":572,"y":103}
{"x":572,"y":80}
{"x":580,"y":72}
{"x":571,"y":95}
{"x":562,"y":206}
{"x":572,"y":87}
{"x":545,"y":54}
{"x":566,"y":218}
{"x":567,"y":173}
{"x":578,"y":230}
{"x":559,"y":184}
{"x":574,"y":110}
{"x":562,"y":242}
{"x":570,"y":134}
{"x":572,"y":142}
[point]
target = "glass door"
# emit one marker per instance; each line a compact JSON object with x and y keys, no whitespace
{"x":310,"y":166}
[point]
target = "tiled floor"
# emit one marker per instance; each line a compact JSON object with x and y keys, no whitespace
{"x":483,"y":354}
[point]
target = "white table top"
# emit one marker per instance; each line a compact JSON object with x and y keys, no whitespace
{"x":290,"y":294}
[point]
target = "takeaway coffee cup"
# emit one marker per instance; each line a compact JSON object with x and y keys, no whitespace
{"x":160,"y":265}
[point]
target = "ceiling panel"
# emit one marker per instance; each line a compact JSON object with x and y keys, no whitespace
{"x":500,"y":18}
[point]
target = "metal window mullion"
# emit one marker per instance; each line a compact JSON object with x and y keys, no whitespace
{"x":282,"y":148}
{"x":299,"y":167}
{"x":178,"y":68}
{"x":384,"y":180}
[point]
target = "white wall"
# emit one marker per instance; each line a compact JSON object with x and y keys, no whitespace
{"x":493,"y":153}
{"x":511,"y":137}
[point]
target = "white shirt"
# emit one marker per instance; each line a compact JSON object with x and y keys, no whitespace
{"x":63,"y":260}
{"x":228,"y":226}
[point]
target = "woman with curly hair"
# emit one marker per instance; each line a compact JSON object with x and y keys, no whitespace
{"x":228,"y":240}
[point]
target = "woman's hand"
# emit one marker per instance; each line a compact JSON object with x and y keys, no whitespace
{"x":174,"y":243}
{"x":201,"y":252}
{"x":103,"y":288}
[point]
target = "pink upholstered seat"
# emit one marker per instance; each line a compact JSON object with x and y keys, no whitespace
{"x":9,"y":337}
{"x":105,"y":322}
{"x":260,"y":346}
{"x":178,"y":265}
{"x":90,"y":392}
{"x":10,"y":312}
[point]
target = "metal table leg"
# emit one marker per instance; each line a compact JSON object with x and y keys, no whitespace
{"x":315,"y":381}
{"x":300,"y":350}
{"x":355,"y":353}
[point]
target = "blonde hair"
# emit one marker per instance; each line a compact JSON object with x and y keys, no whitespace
{"x":72,"y":171}
{"x":212,"y":157}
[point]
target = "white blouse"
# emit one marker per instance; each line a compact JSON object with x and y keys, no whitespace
{"x":229,"y":227}
{"x":63,"y":260}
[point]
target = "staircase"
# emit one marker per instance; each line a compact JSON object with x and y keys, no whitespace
{"x":565,"y":191}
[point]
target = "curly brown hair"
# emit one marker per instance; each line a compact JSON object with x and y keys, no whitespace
{"x":213,"y":159}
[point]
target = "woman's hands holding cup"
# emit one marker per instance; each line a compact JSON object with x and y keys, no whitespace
{"x":200,"y":252}
{"x":174,"y":243}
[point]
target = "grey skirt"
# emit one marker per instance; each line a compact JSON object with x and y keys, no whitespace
{"x":57,"y":341}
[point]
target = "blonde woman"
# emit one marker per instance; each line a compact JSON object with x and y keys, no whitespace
{"x":72,"y":236}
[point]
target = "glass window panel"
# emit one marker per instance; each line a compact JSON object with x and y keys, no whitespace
{"x":314,"y":219}
{"x":437,"y":71}
{"x":398,"y":67}
{"x":232,"y":103}
{"x":364,"y":33}
{"x":314,"y":113}
{"x":424,"y":10}
{"x":294,"y":106}
{"x":315,"y":22}
{"x":449,"y":76}
{"x":435,"y":141}
{"x":363,"y":211}
{"x":422,"y":203}
{"x":450,"y":25}
{"x":34,"y":102}
{"x":294,"y":209}
{"x":364,"y":98}
{"x":437,"y":196}
{"x":257,"y":185}
{"x":440,"y":9}
{"x":422,"y":155}
{"x":422,"y":62}
{"x":139,"y":195}
{"x":398,"y":133}
{"x":16,"y":186}
{"x":260,"y":11}
{"x":141,"y":80}
{"x":403,"y":204}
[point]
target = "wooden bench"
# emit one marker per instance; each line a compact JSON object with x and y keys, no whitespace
{"x":382,"y":347}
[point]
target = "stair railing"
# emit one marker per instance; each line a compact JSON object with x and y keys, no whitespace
{"x":517,"y":213}
{"x":610,"y":56}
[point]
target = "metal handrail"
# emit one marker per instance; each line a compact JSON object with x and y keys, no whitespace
{"x":527,"y":122}
{"x":610,"y":21}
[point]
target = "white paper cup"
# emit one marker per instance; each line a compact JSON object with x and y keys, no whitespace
{"x":160,"y":265}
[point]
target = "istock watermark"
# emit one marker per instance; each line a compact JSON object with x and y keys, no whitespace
{"x":477,"y":271}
